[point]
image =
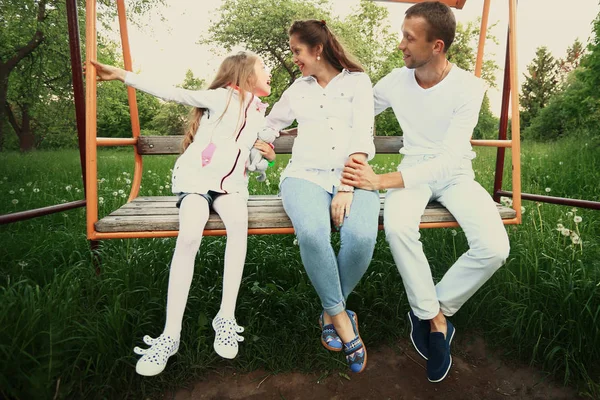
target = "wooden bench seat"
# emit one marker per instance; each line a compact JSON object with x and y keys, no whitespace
{"x":158,"y":213}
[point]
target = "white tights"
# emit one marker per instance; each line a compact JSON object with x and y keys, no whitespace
{"x":193,"y":215}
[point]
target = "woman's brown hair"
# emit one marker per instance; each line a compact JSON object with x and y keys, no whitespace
{"x":236,"y":70}
{"x":313,"y":32}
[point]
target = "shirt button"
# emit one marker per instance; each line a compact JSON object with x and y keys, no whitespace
{"x":321,"y":105}
{"x":332,"y":169}
{"x":333,"y":148}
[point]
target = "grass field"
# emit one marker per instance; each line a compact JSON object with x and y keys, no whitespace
{"x":67,"y":333}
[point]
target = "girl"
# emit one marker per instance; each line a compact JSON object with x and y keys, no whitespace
{"x":209,"y":174}
{"x":333,"y":105}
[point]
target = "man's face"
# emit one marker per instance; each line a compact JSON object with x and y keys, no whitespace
{"x":416,"y":49}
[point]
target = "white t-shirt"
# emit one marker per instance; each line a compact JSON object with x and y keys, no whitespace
{"x":333,"y":122}
{"x":437,"y":121}
{"x":233,"y":135}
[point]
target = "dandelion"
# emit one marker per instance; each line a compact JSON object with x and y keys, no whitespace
{"x":548,"y":190}
{"x":121,"y":191}
{"x":101,"y":200}
{"x":149,"y":171}
{"x":453,"y":232}
{"x":565,"y":232}
{"x":115,"y":194}
{"x":161,"y":187}
{"x":560,"y":163}
{"x":574,"y":209}
{"x":560,"y":227}
{"x":125,"y":173}
{"x":118,"y":179}
{"x":36,"y":190}
{"x":65,"y":215}
{"x":167,"y":186}
{"x":150,"y":192}
{"x":522,"y":210}
{"x":11,"y":192}
{"x":569,"y":214}
{"x":29,"y":183}
{"x":296,"y":242}
{"x":577,"y":219}
{"x":23,"y":264}
{"x":63,"y":201}
{"x":15,"y":201}
{"x":575,"y":238}
{"x":68,"y":188}
{"x":268,"y":183}
{"x":123,"y":195}
{"x":128,"y":181}
{"x":21,"y":190}
{"x":547,"y":176}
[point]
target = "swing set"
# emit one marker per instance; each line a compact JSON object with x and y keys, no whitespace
{"x":157,"y":216}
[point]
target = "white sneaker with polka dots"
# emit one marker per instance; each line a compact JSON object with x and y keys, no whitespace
{"x":154,"y":359}
{"x":226,"y":336}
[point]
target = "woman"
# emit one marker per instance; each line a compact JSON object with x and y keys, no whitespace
{"x":333,"y":105}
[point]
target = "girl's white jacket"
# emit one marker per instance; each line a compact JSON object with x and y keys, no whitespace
{"x":232,"y":133}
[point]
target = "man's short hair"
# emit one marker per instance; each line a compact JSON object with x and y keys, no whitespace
{"x":439,"y":17}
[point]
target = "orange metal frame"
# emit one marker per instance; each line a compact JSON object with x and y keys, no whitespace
{"x":92,"y":141}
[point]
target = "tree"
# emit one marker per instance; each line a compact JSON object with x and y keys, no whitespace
{"x":33,"y":41}
{"x":571,"y":61}
{"x":539,"y":85}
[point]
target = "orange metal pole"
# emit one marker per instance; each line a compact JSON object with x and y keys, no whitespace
{"x":133,"y":110}
{"x":516,"y":127}
{"x":482,"y":34}
{"x":104,"y":141}
{"x":91,"y":173}
{"x":492,"y":143}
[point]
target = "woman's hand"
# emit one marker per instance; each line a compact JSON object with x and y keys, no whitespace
{"x":340,"y":207}
{"x":265,"y":149}
{"x":107,"y":72}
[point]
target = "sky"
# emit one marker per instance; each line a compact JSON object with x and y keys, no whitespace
{"x":170,"y":47}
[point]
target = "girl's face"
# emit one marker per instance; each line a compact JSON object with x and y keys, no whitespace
{"x":305,"y":57}
{"x":263,"y":78}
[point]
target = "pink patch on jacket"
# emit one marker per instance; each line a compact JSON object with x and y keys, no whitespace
{"x":207,"y":154}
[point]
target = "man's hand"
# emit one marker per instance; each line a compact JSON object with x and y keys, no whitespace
{"x":265,"y":149}
{"x":340,"y":207}
{"x":358,"y":173}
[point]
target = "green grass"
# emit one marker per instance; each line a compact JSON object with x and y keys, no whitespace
{"x":65,"y":331}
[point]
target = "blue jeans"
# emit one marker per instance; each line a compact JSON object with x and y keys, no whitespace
{"x":309,"y":207}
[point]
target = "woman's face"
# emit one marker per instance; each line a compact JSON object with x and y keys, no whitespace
{"x":263,"y":78}
{"x":305,"y":57}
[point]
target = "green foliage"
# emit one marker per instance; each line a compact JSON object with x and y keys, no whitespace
{"x":539,"y":86}
{"x":576,"y":109}
{"x":487,"y":125}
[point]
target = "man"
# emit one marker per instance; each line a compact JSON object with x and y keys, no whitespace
{"x":437,"y":105}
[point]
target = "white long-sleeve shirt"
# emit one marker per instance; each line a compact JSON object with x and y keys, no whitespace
{"x":233,"y":134}
{"x":333,"y":122}
{"x":437,"y":121}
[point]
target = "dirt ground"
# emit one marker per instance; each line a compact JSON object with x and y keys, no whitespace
{"x":392,"y":373}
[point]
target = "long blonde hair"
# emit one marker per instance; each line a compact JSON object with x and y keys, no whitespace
{"x":236,"y":70}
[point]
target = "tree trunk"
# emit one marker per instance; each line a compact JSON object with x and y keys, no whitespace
{"x":3,"y":94}
{"x":26,"y":138}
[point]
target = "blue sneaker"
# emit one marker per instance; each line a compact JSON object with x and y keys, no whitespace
{"x":440,"y":359}
{"x":419,"y":334}
{"x":355,"y":350}
{"x":329,"y":337}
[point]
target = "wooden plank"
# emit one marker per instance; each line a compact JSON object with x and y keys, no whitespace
{"x":156,"y":145}
{"x":265,"y":211}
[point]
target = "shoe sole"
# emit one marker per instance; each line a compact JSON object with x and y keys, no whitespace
{"x":411,"y":337}
{"x":324,"y":343}
{"x":449,"y":366}
{"x":355,"y":317}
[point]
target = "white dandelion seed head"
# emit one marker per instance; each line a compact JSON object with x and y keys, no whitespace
{"x":167,"y":186}
{"x":575,"y":238}
{"x":23,"y":264}
{"x":560,"y":163}
{"x":21,"y":190}
{"x":15,"y":201}
{"x":36,"y":190}
{"x":11,"y":192}
{"x":128,"y":181}
{"x":577,"y":219}
{"x":63,"y":201}
{"x":565,"y":232}
{"x":29,"y":183}
{"x":123,"y":195}
{"x":548,"y":190}
{"x":574,"y":209}
{"x":569,"y":214}
{"x":453,"y":232}
{"x":295,"y":242}
{"x":121,"y":191}
{"x":560,"y":227}
{"x":115,"y":194}
{"x":161,"y":187}
{"x":149,"y":171}
{"x":522,"y":210}
{"x":68,"y":188}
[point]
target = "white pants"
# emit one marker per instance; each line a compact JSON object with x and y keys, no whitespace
{"x":476,"y":213}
